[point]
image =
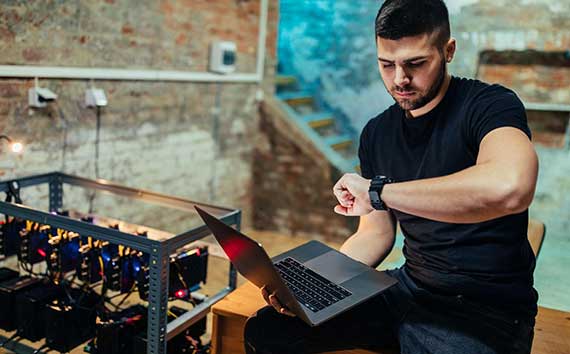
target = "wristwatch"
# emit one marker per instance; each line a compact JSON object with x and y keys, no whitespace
{"x":375,"y":191}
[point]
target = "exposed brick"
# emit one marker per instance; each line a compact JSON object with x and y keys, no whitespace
{"x":6,"y":36}
{"x":127,"y":30}
{"x":9,"y":90}
{"x":33,"y":54}
{"x":154,"y":135}
{"x":293,"y":186}
{"x":181,"y":39}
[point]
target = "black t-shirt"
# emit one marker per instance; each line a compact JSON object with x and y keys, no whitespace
{"x":488,"y":261}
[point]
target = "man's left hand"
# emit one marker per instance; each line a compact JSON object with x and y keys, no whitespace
{"x":351,"y":190}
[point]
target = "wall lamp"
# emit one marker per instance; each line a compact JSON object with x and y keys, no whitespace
{"x":15,"y":146}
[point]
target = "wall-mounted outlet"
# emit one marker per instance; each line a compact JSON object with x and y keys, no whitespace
{"x":38,"y":97}
{"x":223,"y":57}
{"x":95,"y":98}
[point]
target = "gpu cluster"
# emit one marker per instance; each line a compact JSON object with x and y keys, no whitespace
{"x":70,"y":289}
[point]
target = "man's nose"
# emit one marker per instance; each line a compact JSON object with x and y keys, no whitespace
{"x":401,"y":79}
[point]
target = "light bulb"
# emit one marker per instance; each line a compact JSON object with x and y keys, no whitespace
{"x":17,"y":147}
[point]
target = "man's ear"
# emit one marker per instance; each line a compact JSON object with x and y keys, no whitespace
{"x":450,"y":50}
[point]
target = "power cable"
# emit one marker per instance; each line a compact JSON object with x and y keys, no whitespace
{"x":97,"y":140}
{"x":65,"y":123}
{"x":216,"y":113}
{"x":96,"y":162}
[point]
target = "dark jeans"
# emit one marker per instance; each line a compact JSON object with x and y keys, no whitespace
{"x":405,"y":316}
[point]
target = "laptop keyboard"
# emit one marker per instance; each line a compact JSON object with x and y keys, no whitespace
{"x":310,"y":288}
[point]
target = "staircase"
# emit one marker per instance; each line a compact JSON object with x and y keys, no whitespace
{"x":321,"y":127}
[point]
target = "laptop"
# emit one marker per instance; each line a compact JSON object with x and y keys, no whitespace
{"x":314,"y":281}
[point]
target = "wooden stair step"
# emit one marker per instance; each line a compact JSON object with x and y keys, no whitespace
{"x":339,"y":142}
{"x":297,"y":98}
{"x":319,"y":120}
{"x":285,"y":80}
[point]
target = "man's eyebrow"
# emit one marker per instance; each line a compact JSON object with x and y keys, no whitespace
{"x":409,"y":60}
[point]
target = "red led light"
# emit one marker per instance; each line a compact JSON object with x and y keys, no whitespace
{"x":42,"y":252}
{"x":133,"y":319}
{"x":180,"y":294}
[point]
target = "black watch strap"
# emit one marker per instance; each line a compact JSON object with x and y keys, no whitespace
{"x":375,"y":191}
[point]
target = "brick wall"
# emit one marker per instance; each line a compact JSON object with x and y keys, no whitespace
{"x":533,"y":83}
{"x":507,"y":25}
{"x":537,"y":77}
{"x":293,"y":182}
{"x":165,"y":137}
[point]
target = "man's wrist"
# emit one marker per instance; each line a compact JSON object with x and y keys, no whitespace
{"x":366,"y":195}
{"x":386,"y":192}
{"x":375,"y":192}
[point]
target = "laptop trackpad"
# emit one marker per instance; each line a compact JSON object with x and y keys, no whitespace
{"x":334,"y":266}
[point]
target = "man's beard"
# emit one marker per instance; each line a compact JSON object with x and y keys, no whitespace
{"x":409,"y":104}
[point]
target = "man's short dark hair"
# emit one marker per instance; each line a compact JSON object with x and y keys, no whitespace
{"x":405,"y":18}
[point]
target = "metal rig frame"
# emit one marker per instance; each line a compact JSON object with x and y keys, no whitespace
{"x":158,"y":331}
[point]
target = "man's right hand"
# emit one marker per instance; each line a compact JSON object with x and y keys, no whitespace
{"x":351,"y":191}
{"x":272,"y":300}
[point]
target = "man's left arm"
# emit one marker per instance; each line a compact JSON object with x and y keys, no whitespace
{"x":502,"y":182}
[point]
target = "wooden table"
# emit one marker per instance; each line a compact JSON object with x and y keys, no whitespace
{"x":551,"y":333}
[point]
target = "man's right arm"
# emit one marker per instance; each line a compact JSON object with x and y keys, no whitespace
{"x":373,"y":240}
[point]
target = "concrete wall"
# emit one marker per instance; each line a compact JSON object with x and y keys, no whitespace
{"x":330,"y":46}
{"x":192,"y":140}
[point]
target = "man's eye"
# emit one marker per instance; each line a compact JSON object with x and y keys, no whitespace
{"x":416,"y":64}
{"x":386,"y":66}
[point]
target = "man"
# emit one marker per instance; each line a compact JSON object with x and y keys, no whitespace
{"x":461,"y":173}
